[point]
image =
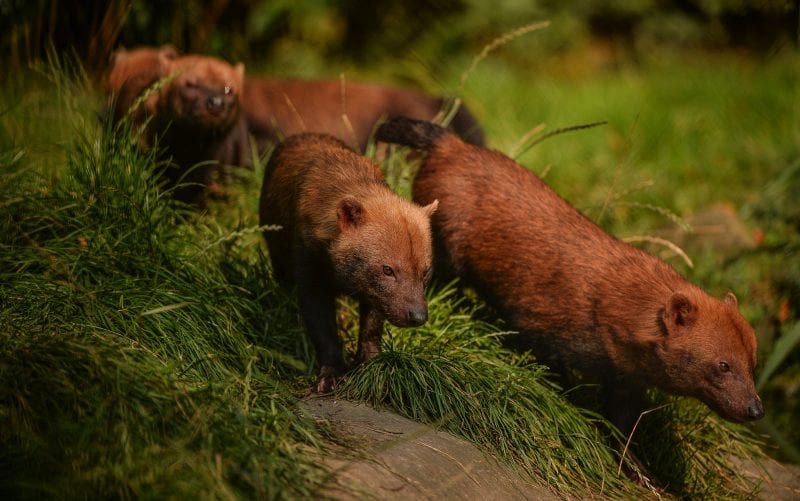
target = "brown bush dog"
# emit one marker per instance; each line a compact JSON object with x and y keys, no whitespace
{"x":197,"y":119}
{"x":194,"y":118}
{"x":578,"y":297}
{"x":129,"y":74}
{"x":277,"y":108}
{"x":344,"y":232}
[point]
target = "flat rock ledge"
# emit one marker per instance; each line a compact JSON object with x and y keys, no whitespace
{"x":399,"y":459}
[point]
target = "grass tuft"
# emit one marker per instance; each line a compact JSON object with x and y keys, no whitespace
{"x":454,"y":373}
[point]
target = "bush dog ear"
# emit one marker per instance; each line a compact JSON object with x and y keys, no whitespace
{"x":168,"y":51}
{"x":164,"y":63}
{"x":680,"y":312}
{"x":431,"y":208}
{"x":730,"y":299}
{"x":349,"y":214}
{"x":239,"y":72}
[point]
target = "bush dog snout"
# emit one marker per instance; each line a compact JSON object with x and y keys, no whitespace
{"x":344,"y":232}
{"x":577,"y":296}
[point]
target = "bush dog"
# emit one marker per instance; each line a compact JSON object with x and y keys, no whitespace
{"x":277,"y":108}
{"x":344,"y":231}
{"x":194,"y":117}
{"x":578,"y":297}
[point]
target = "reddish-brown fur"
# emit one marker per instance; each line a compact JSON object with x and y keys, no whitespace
{"x":579,"y":297}
{"x":344,"y":232}
{"x":278,"y":108}
{"x":129,"y":74}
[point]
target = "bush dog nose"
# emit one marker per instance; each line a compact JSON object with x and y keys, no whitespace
{"x":214,"y":104}
{"x":417,"y":316}
{"x":755,"y":410}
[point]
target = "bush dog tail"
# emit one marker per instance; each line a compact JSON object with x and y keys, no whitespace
{"x":411,"y":132}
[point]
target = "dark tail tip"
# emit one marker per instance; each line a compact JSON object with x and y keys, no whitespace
{"x":410,"y":132}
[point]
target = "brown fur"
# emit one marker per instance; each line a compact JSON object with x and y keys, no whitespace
{"x":192,"y":118}
{"x":579,"y":297}
{"x":129,"y":74}
{"x":344,"y":231}
{"x":279,"y":108}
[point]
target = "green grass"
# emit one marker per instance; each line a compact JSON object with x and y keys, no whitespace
{"x":138,"y":358}
{"x":145,"y":351}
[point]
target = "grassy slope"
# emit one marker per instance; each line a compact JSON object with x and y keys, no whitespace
{"x":144,"y":355}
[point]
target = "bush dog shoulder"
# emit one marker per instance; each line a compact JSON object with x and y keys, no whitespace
{"x":278,"y":108}
{"x":344,"y":232}
{"x":579,"y":297}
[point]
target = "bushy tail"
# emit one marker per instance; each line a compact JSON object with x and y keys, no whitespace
{"x":410,"y":132}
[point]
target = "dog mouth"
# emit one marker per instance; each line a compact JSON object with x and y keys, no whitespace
{"x":737,"y":414}
{"x":413,"y":316}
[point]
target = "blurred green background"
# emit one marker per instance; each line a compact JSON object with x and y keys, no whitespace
{"x":701,"y":148}
{"x":322,"y":32}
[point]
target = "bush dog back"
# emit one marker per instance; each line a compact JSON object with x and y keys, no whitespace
{"x":278,"y":108}
{"x":579,"y":297}
{"x":344,"y":232}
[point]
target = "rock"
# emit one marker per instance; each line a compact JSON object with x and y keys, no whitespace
{"x":402,"y":459}
{"x":779,"y":482}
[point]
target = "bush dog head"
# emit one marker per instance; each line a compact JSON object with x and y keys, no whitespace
{"x":709,"y":352}
{"x":382,"y":254}
{"x":343,"y":231}
{"x":203,"y":93}
{"x":578,"y":297}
